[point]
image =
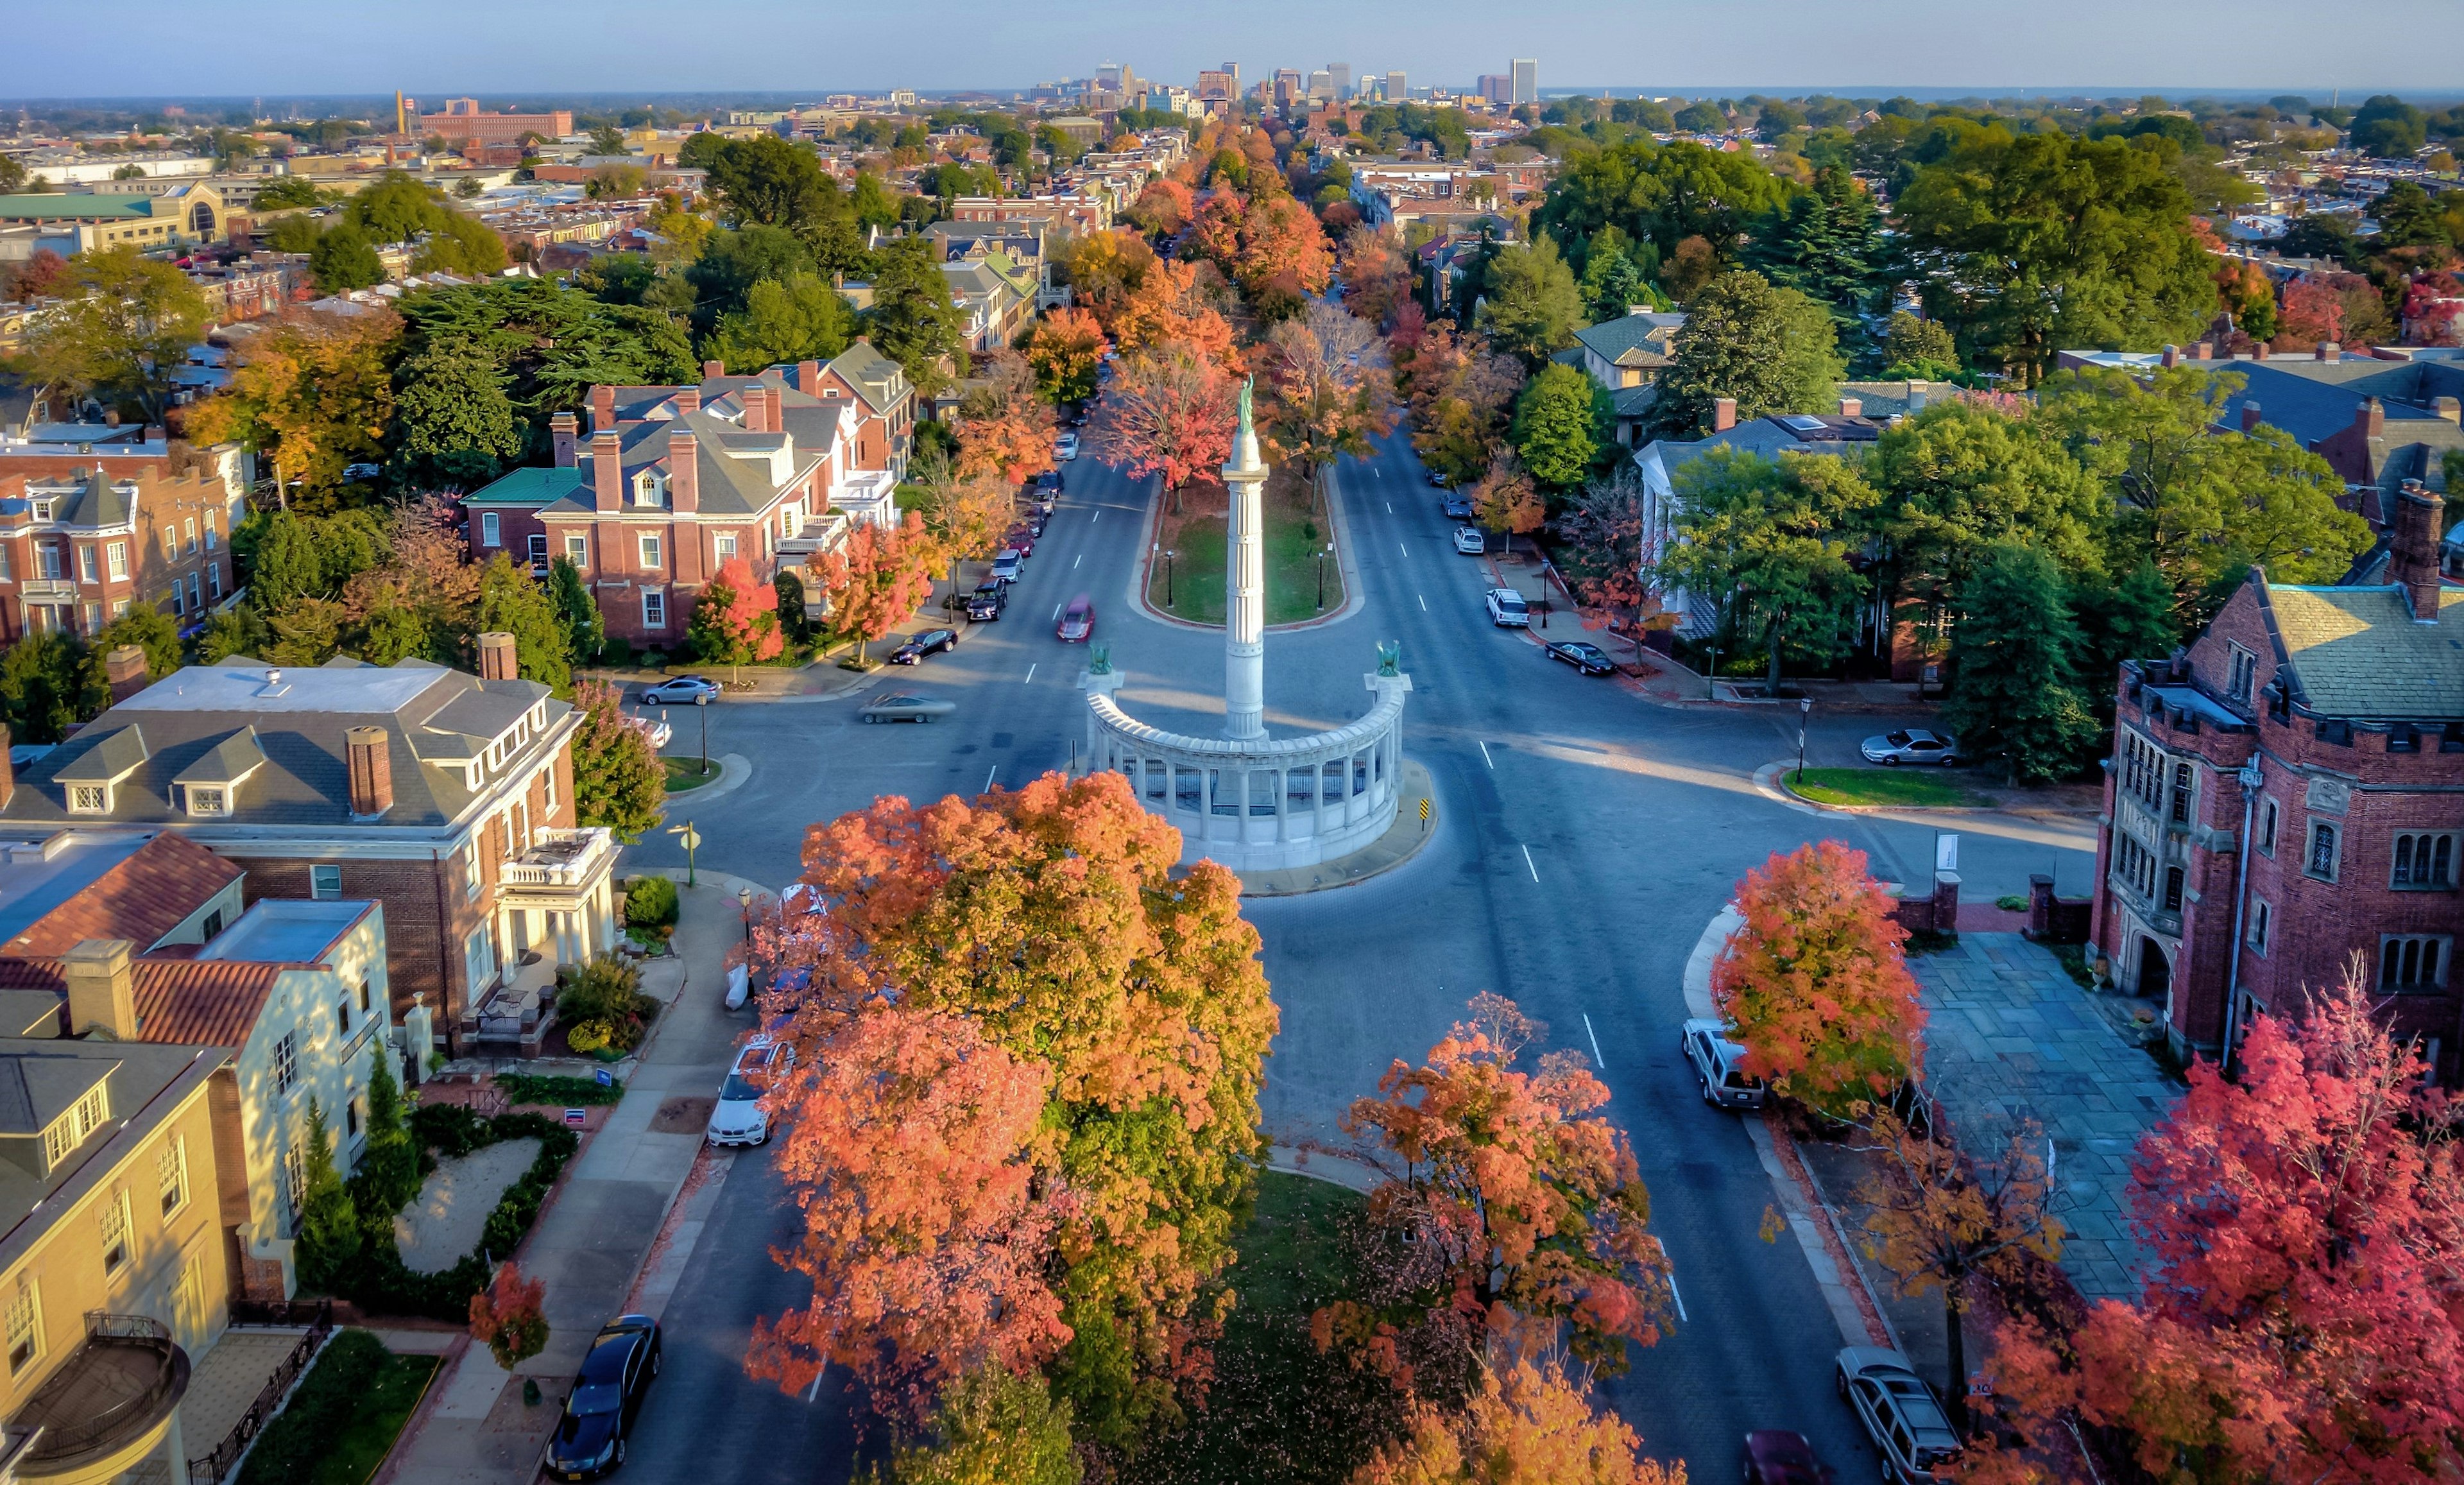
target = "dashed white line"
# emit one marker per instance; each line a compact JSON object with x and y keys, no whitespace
{"x":1484,"y":755}
{"x":1596,"y":1059}
{"x":1405,"y":550}
{"x":1424,"y":603}
{"x":995,"y":773}
{"x":1030,"y":676}
{"x":1098,"y":516}
{"x":1075,"y":560}
{"x":1674,"y":1295}
{"x":1056,"y":613}
{"x":815,"y":1390}
{"x":1390,"y":507}
{"x":1528,"y":866}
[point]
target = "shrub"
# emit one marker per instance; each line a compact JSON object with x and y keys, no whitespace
{"x":607,"y":993}
{"x":506,"y":1316}
{"x":585,"y":1036}
{"x":292,"y":1445}
{"x":616,"y":652}
{"x":559,"y":1091}
{"x":650,"y":902}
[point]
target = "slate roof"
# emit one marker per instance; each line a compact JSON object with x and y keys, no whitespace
{"x":140,"y":897}
{"x":2358,"y":653}
{"x":38,"y":1079}
{"x":1771,"y":437}
{"x":1632,"y":340}
{"x":875,"y":377}
{"x":725,"y":485}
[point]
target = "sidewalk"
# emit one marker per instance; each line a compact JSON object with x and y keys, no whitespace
{"x":599,"y":1222}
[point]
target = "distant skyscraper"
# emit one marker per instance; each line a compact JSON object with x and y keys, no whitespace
{"x":1288,"y":84}
{"x":1220,"y":84}
{"x":1109,"y":75}
{"x":1527,"y":79}
{"x":1321,"y":84}
{"x":1340,"y":74}
{"x":1495,"y":87}
{"x":1396,"y":90}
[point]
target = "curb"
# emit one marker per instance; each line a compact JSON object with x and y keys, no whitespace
{"x":734,"y":769}
{"x":1327,"y":1165}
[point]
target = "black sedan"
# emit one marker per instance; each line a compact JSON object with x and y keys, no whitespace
{"x":608,"y":1392}
{"x":1590,"y":659}
{"x":930,"y":642}
{"x":1458,"y":508}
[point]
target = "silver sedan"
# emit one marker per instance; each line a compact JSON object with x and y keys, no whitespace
{"x":906,"y":708}
{"x":1912,"y":745}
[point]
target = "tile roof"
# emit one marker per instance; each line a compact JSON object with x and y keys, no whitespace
{"x":2357,"y":651}
{"x":185,"y":1001}
{"x":142,"y":897}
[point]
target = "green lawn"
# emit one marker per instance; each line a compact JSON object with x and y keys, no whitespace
{"x":1900,"y":787}
{"x":376,"y":1420}
{"x":1279,"y":1409}
{"x":1293,"y":538}
{"x":685,"y":773}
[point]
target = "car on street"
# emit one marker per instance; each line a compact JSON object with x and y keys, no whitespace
{"x":1779,"y":1456}
{"x":1458,"y":508}
{"x":680,"y":690}
{"x":1021,"y":539}
{"x":1899,"y":1410}
{"x":1436,"y":480}
{"x":1065,"y":447}
{"x":1052,"y":479}
{"x":1715,"y":1059}
{"x":932,"y":641}
{"x":1912,"y":745}
{"x":986,"y":603}
{"x":1469,"y":541}
{"x":1077,"y":621}
{"x":1005,"y":566}
{"x":1507,"y":608}
{"x":1589,"y":658}
{"x":654,"y":730}
{"x":739,"y":1119}
{"x":608,"y":1392}
{"x":906,"y":707}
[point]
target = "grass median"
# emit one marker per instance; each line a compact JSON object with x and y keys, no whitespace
{"x":1901,"y":788}
{"x":1192,"y":585}
{"x":685,"y":773}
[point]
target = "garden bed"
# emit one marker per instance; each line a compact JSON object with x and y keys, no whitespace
{"x":1901,"y":788}
{"x":344,"y":1417}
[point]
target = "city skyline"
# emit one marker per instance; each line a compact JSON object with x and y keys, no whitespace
{"x":2098,"y":46}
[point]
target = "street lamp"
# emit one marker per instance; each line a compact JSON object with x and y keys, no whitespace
{"x":1711,"y":676}
{"x":1167,"y":577}
{"x":1323,"y":554}
{"x":744,"y":903}
{"x":701,"y":704}
{"x":1804,"y":709}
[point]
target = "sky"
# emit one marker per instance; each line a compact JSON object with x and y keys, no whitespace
{"x":439,"y":48}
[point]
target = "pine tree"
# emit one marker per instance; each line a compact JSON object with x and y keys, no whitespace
{"x":2015,"y":691}
{"x":585,"y":630}
{"x":390,"y":1166}
{"x":1826,"y":244}
{"x":617,"y":781}
{"x":328,"y":1232}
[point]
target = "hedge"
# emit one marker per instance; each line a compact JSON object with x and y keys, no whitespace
{"x":376,"y":1280}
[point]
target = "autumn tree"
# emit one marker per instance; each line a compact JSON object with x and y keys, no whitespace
{"x":506,"y":1316}
{"x":312,"y":395}
{"x":1377,"y":275}
{"x":1604,"y":551}
{"x":618,"y":781}
{"x":1814,"y":983}
{"x":1064,"y":350}
{"x":878,"y":577}
{"x":1104,"y":269}
{"x":993,"y":1427}
{"x":2301,"y":1321}
{"x":966,"y":519}
{"x":1177,"y":306}
{"x":1462,"y":396}
{"x":126,"y":325}
{"x":736,"y":621}
{"x":1171,"y":413}
{"x":1163,"y":208}
{"x":1525,"y":1421}
{"x":1004,"y":427}
{"x":417,"y":596}
{"x":1058,"y":922}
{"x":1331,"y":390}
{"x":1533,"y":1200}
{"x":1506,"y":502}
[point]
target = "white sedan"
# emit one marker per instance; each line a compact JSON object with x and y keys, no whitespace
{"x":1065,"y":447}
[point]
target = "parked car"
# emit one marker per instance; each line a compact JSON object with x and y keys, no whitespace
{"x":932,"y":641}
{"x":906,"y":708}
{"x":608,"y":1392}
{"x":1052,"y":479}
{"x":1715,"y":1061}
{"x":1777,"y":1456}
{"x":680,"y":690}
{"x":1469,"y":541}
{"x":361,"y":471}
{"x":1065,"y":447}
{"x":1458,"y":508}
{"x":1005,"y":566}
{"x":1900,"y":1412}
{"x":1912,"y":745}
{"x":1021,"y":539}
{"x":1589,"y":658}
{"x":1077,"y":621}
{"x":739,"y":1118}
{"x":654,"y":730}
{"x":1436,"y":480}
{"x":986,"y":603}
{"x":1507,"y":608}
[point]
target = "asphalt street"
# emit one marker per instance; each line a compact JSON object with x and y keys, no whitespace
{"x":1584,"y":837}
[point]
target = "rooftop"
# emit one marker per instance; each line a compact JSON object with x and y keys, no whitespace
{"x":82,"y":884}
{"x":35,"y":1074}
{"x":242,"y":687}
{"x":287,"y":931}
{"x":2359,"y":653}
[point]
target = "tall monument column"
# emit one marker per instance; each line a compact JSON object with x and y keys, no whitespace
{"x":1244,"y":585}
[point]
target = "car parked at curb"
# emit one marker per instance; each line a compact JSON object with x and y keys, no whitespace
{"x":1782,"y":1456}
{"x":1021,"y":539}
{"x":1077,"y":621}
{"x":1900,"y":1412}
{"x":1507,"y":608}
{"x":608,"y":1391}
{"x":1436,"y":480}
{"x":1457,"y":507}
{"x":932,"y":641}
{"x":984,"y":606}
{"x":1007,"y":565}
{"x":1065,"y":447}
{"x":1715,"y":1060}
{"x":1912,"y":745}
{"x":1589,"y":658}
{"x":680,"y":690}
{"x":905,"y":707}
{"x":1469,"y":541}
{"x":739,"y":1119}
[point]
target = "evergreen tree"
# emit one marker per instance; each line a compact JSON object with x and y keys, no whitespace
{"x":145,"y":626}
{"x":1827,"y":244}
{"x":511,"y":603}
{"x":1616,"y":275}
{"x":585,"y":630}
{"x":42,"y":686}
{"x":1529,"y":305}
{"x":1918,"y":349}
{"x":1561,"y":425}
{"x":453,"y":422}
{"x":912,"y":321}
{"x":1772,"y":349}
{"x":2015,"y":693}
{"x":284,"y":567}
{"x":389,"y":1172}
{"x":328,"y":1234}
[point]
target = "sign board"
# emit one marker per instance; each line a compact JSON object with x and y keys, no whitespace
{"x":576,"y":1117}
{"x":1946,"y":852}
{"x":1980,"y":1385}
{"x":606,"y":1078}
{"x":1424,"y":811}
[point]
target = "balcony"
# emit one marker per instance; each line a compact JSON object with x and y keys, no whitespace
{"x":48,"y":590}
{"x":107,"y":1402}
{"x":563,"y":862}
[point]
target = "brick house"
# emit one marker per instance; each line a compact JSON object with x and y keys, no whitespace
{"x":444,"y":796}
{"x":79,"y":547}
{"x":2323,"y":726}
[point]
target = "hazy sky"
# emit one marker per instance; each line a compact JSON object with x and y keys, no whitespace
{"x":436,"y":48}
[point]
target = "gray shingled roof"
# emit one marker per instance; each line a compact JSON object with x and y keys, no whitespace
{"x":2358,"y":653}
{"x":1632,"y":340}
{"x":227,"y":762}
{"x":724,"y":485}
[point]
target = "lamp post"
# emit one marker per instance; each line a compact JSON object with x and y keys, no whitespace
{"x":1324,"y":552}
{"x":1711,"y":676}
{"x":701,"y":704}
{"x":744,"y":903}
{"x":1167,"y":577}
{"x":1804,"y":709}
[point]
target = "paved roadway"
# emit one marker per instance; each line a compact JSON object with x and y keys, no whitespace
{"x":1584,"y":838}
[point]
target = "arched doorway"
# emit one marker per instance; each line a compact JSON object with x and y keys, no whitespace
{"x":2155,"y":970}
{"x":201,"y":220}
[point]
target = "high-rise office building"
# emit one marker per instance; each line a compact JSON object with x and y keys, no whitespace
{"x":1397,"y":91}
{"x":1222,"y":84}
{"x":1495,"y":87}
{"x":1321,"y":84}
{"x":1527,"y":79}
{"x":1288,"y":84}
{"x":1340,"y":74}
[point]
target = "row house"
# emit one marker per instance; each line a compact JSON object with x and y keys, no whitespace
{"x":996,"y":298}
{"x":2284,"y":801}
{"x":444,"y":796}
{"x":1063,"y":212}
{"x":77,"y":548}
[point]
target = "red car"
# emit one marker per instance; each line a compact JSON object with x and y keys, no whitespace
{"x":1021,"y":539}
{"x":1077,"y":621}
{"x":1777,"y":1456}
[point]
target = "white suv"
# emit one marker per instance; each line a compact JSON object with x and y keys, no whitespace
{"x":739,"y":1118}
{"x":1507,"y":608}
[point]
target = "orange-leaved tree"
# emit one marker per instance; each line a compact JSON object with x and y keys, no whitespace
{"x":1063,"y":349}
{"x":1524,"y":1421}
{"x":1816,"y":984}
{"x":966,"y":519}
{"x":2304,"y":1320}
{"x":878,"y":577}
{"x":1163,"y":208}
{"x":1532,"y":1197}
{"x":506,"y":1316}
{"x":911,"y":1151}
{"x":1331,"y":393}
{"x":736,"y":621}
{"x":1055,"y":919}
{"x":1172,"y":413}
{"x":1177,"y":307}
{"x":1004,"y":427}
{"x":1505,"y":500}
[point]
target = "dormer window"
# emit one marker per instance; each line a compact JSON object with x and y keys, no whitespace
{"x":43,"y":509}
{"x":89,"y":799}
{"x":209,"y":801}
{"x":70,"y":1130}
{"x":649,"y":489}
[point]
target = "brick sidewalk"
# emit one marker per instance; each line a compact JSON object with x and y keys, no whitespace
{"x":2013,"y":1037}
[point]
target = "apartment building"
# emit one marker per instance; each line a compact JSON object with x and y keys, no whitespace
{"x":77,"y":222}
{"x":463,"y":123}
{"x":77,"y":548}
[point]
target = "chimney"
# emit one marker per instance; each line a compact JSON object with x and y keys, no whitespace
{"x":2205,"y":350}
{"x":683,"y":473}
{"x":1916,"y":394}
{"x":1723,"y":415}
{"x":2413,"y":547}
{"x":689,"y":400}
{"x":2172,"y":356}
{"x":1851,"y":406}
{"x":2370,"y":417}
{"x":2250,"y":417}
{"x":497,"y":657}
{"x":123,"y":671}
{"x":2258,"y":350}
{"x":712,"y":371}
{"x":8,"y":770}
{"x":103,"y":999}
{"x":808,"y":378}
{"x":602,"y":410}
{"x":566,"y":429}
{"x":2448,"y":408}
{"x":606,"y":471}
{"x":2329,"y":350}
{"x":370,"y":754}
{"x":155,"y":434}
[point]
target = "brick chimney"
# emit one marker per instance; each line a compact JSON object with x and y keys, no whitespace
{"x":2370,"y":417}
{"x":2329,"y":350}
{"x":808,"y":378}
{"x":602,"y":410}
{"x":497,"y":657}
{"x":565,"y":430}
{"x":757,"y":410}
{"x":711,"y":370}
{"x":123,"y":671}
{"x":2258,"y":350}
{"x":368,"y":754}
{"x":689,"y":400}
{"x":8,"y":769}
{"x":2413,"y":547}
{"x":2250,"y":416}
{"x":1851,"y":406}
{"x":683,"y":473}
{"x":606,"y":472}
{"x":1723,"y":415}
{"x":2172,"y":356}
{"x":103,"y":998}
{"x":2205,"y":350}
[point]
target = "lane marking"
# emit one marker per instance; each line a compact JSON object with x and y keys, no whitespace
{"x":1405,"y":550}
{"x":1597,"y":1060}
{"x":1390,"y":507}
{"x":1075,"y":560}
{"x":996,"y":769}
{"x":1030,"y":671}
{"x":1056,"y":613}
{"x":1483,"y":756}
{"x":1528,"y":866}
{"x":1674,"y":1295}
{"x":1424,"y":603}
{"x":1099,"y":515}
{"x":815,"y":1390}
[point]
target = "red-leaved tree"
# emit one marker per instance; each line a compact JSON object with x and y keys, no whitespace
{"x":507,"y":1318}
{"x":1172,"y":413}
{"x":1163,"y":208}
{"x":1816,"y":984}
{"x":1004,"y":425}
{"x":737,"y":620}
{"x":878,"y":577}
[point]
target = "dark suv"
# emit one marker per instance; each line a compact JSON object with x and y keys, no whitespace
{"x":986,"y":603}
